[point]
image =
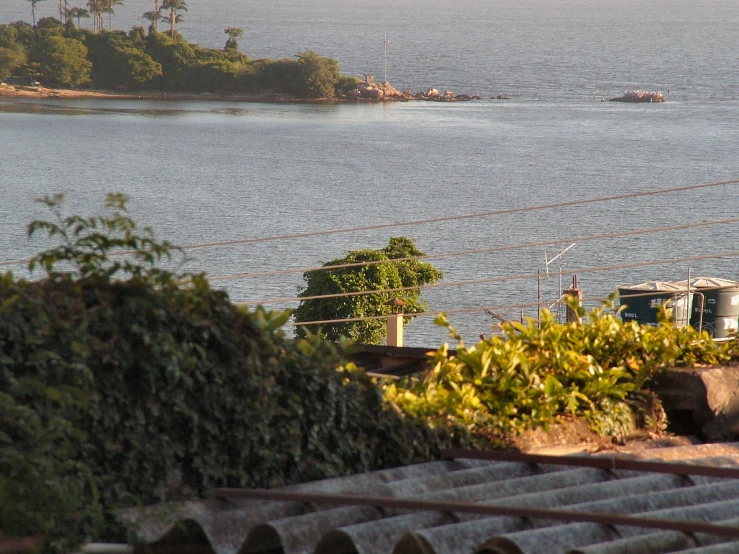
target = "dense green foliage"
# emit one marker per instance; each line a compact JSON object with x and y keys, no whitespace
{"x":533,"y":374}
{"x":123,"y":383}
{"x":386,"y":274}
{"x":61,"y":60}
{"x":66,"y":55}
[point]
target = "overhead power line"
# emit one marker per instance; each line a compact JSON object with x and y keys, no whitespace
{"x":491,"y":279}
{"x":506,"y":211}
{"x":603,"y":236}
{"x":542,"y":303}
{"x":590,"y":300}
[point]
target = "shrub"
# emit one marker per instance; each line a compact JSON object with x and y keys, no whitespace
{"x":165,"y":389}
{"x":533,"y":374}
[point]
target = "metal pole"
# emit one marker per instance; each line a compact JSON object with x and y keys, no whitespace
{"x":386,"y":43}
{"x":538,"y":297}
{"x":689,"y":300}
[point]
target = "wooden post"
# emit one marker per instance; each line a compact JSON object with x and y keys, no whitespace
{"x":573,"y":292}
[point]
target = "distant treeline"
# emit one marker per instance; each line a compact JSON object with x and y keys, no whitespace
{"x":62,"y":55}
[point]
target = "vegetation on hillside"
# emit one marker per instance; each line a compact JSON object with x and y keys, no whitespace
{"x":123,"y":383}
{"x":387,"y":274}
{"x":65,"y":55}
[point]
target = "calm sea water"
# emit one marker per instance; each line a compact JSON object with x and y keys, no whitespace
{"x":211,"y":171}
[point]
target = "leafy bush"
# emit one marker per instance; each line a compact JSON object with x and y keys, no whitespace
{"x":158,"y":387}
{"x":532,"y":375}
{"x":44,"y":488}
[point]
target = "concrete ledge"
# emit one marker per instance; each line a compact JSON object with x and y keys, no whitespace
{"x":709,"y":394}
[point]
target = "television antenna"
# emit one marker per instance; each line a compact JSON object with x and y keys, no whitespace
{"x":547,"y":263}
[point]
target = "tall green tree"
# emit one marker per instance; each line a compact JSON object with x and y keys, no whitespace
{"x":33,"y":10}
{"x":317,"y":77}
{"x":153,"y":17}
{"x":109,"y":8}
{"x":234,"y":34}
{"x":380,"y":273}
{"x":173,"y":18}
{"x":12,"y":53}
{"x":11,"y":58}
{"x":96,"y":9}
{"x":79,"y":13}
{"x":61,"y":61}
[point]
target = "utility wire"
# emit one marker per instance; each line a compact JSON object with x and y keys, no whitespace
{"x":591,"y":300}
{"x":421,"y":314}
{"x":603,"y":236}
{"x":444,"y":218}
{"x":467,"y":216}
{"x":491,"y":279}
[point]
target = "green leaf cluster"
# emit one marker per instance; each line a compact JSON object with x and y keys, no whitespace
{"x":122,"y":383}
{"x":386,"y":274}
{"x":534,"y":374}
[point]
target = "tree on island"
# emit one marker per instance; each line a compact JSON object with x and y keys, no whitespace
{"x":318,"y":75}
{"x":63,"y":11}
{"x":12,"y":54}
{"x":79,"y":13}
{"x":108,"y":7}
{"x":173,"y":18}
{"x":382,"y":274}
{"x":234,"y":34}
{"x":96,"y":9}
{"x":33,"y":10}
{"x":61,"y":61}
{"x":153,"y":17}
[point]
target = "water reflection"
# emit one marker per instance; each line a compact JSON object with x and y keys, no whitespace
{"x":166,"y":108}
{"x":150,"y":109}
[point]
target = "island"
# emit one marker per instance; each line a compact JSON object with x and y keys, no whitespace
{"x":58,"y":59}
{"x":640,"y":96}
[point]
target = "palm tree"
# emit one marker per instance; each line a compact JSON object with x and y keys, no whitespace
{"x":153,"y":18}
{"x":108,"y":8}
{"x":96,"y":9}
{"x":173,"y":6}
{"x":78,"y":13}
{"x":33,"y":10}
{"x":63,"y":11}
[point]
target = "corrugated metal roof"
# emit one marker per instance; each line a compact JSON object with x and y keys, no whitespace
{"x":667,"y":286}
{"x":258,"y":526}
{"x":706,"y":283}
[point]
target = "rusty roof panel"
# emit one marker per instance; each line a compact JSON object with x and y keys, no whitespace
{"x":603,"y":505}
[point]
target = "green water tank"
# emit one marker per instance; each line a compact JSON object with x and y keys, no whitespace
{"x":643,"y":301}
{"x":720,"y":303}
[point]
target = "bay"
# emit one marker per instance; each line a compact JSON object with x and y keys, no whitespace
{"x":217,"y":171}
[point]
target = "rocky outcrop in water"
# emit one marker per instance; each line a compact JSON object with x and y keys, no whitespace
{"x":385,"y":91}
{"x":640,"y":96}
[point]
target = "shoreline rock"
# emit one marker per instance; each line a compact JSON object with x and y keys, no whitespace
{"x":371,"y":91}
